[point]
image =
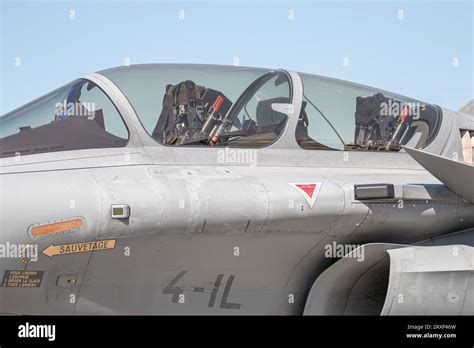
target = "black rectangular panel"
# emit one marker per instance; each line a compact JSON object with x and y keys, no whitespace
{"x":374,"y":191}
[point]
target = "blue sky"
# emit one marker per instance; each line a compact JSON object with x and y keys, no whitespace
{"x":422,"y":49}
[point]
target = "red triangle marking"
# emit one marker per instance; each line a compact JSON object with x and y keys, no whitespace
{"x":308,"y":188}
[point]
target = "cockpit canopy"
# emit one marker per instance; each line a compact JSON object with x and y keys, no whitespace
{"x":348,"y":116}
{"x":188,"y":105}
{"x":207,"y":105}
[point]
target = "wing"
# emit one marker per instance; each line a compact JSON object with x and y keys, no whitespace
{"x":457,"y":176}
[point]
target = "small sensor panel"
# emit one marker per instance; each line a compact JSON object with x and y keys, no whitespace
{"x":120,"y":211}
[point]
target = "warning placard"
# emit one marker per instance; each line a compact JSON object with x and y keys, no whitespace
{"x":22,"y":279}
{"x":54,"y":250}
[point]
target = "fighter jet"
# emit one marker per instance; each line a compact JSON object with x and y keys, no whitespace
{"x":199,"y":189}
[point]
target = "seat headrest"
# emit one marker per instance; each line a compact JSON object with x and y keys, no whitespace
{"x":265,"y":113}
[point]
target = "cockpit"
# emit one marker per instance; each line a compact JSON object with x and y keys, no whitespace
{"x":187,"y":106}
{"x":197,"y":115}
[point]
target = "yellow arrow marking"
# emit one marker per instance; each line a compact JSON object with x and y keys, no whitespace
{"x":54,"y":250}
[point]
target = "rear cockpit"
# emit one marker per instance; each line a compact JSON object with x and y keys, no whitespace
{"x":347,"y":116}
